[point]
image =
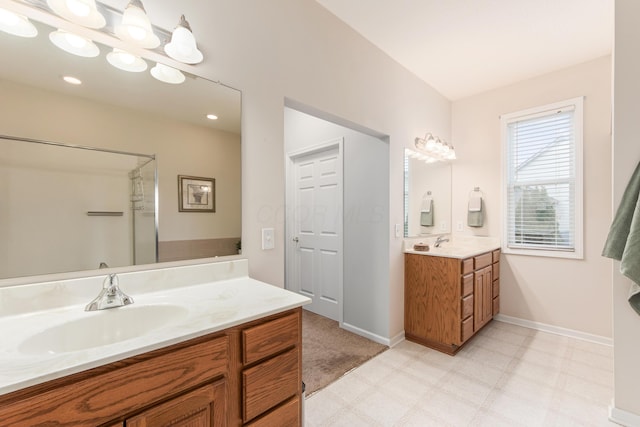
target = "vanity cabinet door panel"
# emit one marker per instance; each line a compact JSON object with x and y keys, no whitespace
{"x":483,"y":297}
{"x":204,"y":407}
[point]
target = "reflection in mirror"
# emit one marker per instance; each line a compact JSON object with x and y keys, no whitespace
{"x":427,"y":197}
{"x":97,"y":206}
{"x":119,"y":111}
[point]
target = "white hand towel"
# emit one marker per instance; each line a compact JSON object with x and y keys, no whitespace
{"x":475,"y":203}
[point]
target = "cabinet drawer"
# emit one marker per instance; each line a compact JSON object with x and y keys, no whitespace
{"x":496,"y":270}
{"x":269,"y":338}
{"x":467,"y":306}
{"x":287,"y":415}
{"x":135,"y":381}
{"x":496,"y":255}
{"x":270,"y":383}
{"x":467,"y":285}
{"x":466,"y":329}
{"x":496,"y":288}
{"x":483,"y":260}
{"x":467,"y":266}
{"x":496,"y":305}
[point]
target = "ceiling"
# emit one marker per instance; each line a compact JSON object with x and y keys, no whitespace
{"x":465,"y":47}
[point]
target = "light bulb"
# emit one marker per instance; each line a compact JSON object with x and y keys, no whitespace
{"x":135,"y":26}
{"x":17,"y":25}
{"x":79,"y":8}
{"x":8,"y":18}
{"x":182,"y":46}
{"x":75,"y":41}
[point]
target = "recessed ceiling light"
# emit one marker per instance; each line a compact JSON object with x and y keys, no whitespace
{"x":212,"y":117}
{"x":72,"y":80}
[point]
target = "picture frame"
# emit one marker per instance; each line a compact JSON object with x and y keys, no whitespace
{"x":196,"y":194}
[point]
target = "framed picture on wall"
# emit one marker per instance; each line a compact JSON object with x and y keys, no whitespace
{"x":196,"y":194}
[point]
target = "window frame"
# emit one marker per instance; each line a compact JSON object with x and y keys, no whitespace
{"x":578,"y":120}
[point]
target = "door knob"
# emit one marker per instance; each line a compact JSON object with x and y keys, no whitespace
{"x":295,"y":239}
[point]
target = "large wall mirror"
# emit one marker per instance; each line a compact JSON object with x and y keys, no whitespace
{"x":427,"y":197}
{"x":68,"y":209}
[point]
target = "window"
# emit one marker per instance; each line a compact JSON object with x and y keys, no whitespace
{"x":542,"y":179}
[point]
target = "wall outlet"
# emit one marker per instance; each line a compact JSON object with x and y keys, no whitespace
{"x":459,"y":226}
{"x":443,"y":226}
{"x":268,"y":238}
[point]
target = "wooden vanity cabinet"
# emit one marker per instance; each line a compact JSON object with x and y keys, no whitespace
{"x":448,"y":300}
{"x":249,"y":373}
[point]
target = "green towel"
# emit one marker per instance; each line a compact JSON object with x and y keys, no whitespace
{"x":476,"y":218}
{"x":623,"y":242}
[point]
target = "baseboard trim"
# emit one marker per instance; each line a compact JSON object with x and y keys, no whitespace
{"x":572,"y":333}
{"x":397,"y":339}
{"x":623,"y":417}
{"x":366,"y":334}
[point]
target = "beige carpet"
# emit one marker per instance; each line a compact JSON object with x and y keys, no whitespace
{"x":328,"y":352}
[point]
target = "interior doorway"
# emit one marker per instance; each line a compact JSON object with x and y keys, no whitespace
{"x":356,"y":266}
{"x":315,"y":224}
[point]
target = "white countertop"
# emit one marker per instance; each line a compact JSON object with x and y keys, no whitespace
{"x":211,"y":306}
{"x":457,"y":247}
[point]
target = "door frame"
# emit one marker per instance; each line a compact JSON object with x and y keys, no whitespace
{"x":290,"y":246}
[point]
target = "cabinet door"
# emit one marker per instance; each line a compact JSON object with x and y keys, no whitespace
{"x":203,"y":407}
{"x":483,"y":297}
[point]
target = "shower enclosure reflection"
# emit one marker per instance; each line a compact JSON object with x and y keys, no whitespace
{"x":98,"y":206}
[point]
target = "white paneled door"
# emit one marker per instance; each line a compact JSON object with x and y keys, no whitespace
{"x":315,"y":254}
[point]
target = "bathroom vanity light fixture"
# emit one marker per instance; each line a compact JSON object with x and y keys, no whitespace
{"x":135,"y":27}
{"x":74,"y":44}
{"x":182,"y":46}
{"x":126,"y":61}
{"x":167,"y":74}
{"x":82,"y":12}
{"x":435,"y":148}
{"x":17,"y":25}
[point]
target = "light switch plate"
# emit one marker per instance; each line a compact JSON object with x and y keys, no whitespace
{"x":268,"y":239}
{"x":398,"y":230}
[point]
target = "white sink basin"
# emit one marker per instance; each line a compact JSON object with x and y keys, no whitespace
{"x":99,"y":328}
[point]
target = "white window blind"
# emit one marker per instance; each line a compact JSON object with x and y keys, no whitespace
{"x":543,"y":179}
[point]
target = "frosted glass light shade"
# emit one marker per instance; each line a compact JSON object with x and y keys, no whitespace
{"x":16,"y":25}
{"x":74,"y":44}
{"x":182,"y":46}
{"x":82,"y":12}
{"x":167,"y":74}
{"x":136,"y":28}
{"x":126,"y":61}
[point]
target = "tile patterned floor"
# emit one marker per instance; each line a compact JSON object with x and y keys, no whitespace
{"x":506,"y":376}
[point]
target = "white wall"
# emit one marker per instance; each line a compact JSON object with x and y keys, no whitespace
{"x":365,"y":218}
{"x":296,"y":49}
{"x":573,"y":294}
{"x":626,"y":155}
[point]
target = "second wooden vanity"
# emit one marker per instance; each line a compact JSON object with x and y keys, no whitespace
{"x":448,"y":300}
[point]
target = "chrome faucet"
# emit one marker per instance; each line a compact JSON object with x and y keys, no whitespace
{"x":440,"y":240}
{"x":110,"y":296}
